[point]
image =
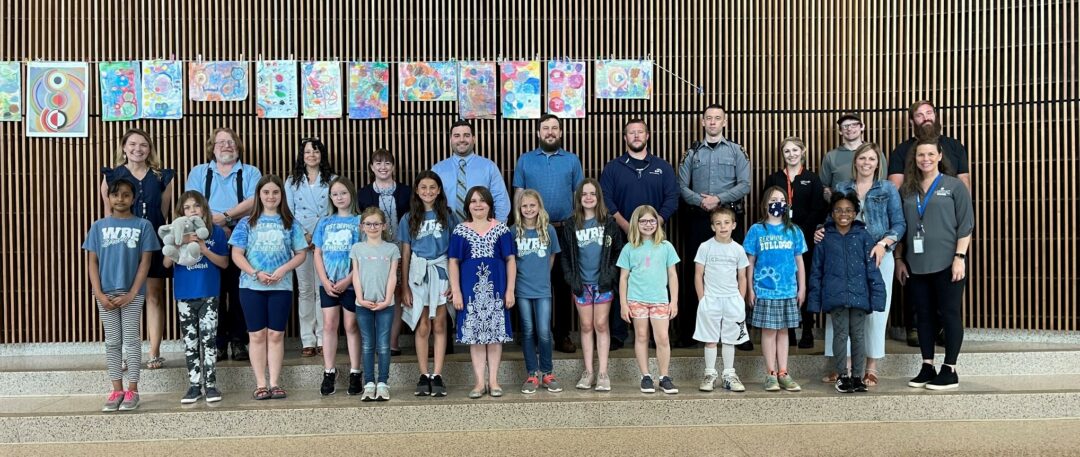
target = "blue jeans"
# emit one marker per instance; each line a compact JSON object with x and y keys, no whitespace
{"x":375,"y":336}
{"x":536,"y":328}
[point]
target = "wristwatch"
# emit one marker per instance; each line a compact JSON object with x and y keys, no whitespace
{"x":960,"y":255}
{"x":228,"y":218}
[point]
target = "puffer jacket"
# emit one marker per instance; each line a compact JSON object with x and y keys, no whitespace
{"x":843,"y":275}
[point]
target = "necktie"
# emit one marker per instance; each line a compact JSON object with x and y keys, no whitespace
{"x":461,"y":189}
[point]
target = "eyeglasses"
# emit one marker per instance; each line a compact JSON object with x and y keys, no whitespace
{"x":843,"y":211}
{"x":372,"y":224}
{"x":646,"y":221}
{"x":851,"y":125}
{"x":225,"y":143}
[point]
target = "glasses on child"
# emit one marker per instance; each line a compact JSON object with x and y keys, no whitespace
{"x":373,"y":224}
{"x":647,"y":221}
{"x":843,"y":211}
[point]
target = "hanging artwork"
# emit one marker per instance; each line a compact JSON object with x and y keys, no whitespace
{"x":321,"y":83}
{"x":521,"y":90}
{"x":120,"y":90}
{"x":56,"y":94}
{"x":162,"y":89}
{"x":225,"y":81}
{"x":10,"y":91}
{"x":275,"y":89}
{"x":427,"y":81}
{"x":566,"y":89}
{"x":477,"y":93}
{"x":624,"y":79}
{"x":369,"y":90}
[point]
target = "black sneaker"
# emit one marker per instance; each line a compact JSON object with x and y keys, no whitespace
{"x":423,"y":386}
{"x":356,"y":383}
{"x":747,"y":346}
{"x":194,"y":393}
{"x":329,"y":381}
{"x":668,"y":386}
{"x":946,"y":379}
{"x":438,"y":389}
{"x":647,"y":384}
{"x":843,"y":385}
{"x":926,"y":374}
{"x":240,"y":352}
{"x":857,"y":384}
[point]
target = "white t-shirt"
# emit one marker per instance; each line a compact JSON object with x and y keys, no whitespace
{"x":722,"y":262}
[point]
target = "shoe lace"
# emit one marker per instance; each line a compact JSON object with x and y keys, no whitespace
{"x":549,"y":378}
{"x":129,"y":395}
{"x":115,"y":394}
{"x":532,"y":380}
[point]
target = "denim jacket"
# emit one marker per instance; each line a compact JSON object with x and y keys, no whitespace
{"x":881,"y":209}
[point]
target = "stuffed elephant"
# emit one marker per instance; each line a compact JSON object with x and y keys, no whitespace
{"x":172,"y":238}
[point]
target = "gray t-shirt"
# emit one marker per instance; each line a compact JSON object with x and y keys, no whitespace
{"x":119,"y":244}
{"x":590,"y":241}
{"x":533,"y":263}
{"x":374,"y":262}
{"x":949,"y":216}
{"x":836,"y":167}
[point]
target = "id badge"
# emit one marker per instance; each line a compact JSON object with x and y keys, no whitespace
{"x":917,"y":242}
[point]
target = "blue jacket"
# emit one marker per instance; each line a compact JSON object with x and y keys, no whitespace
{"x":843,"y":274}
{"x":625,"y":189}
{"x":882,"y":209}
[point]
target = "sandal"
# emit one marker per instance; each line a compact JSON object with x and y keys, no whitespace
{"x":261,"y":393}
{"x":155,"y":363}
{"x":307,"y":352}
{"x":830,"y":378}
{"x":870,"y":378}
{"x":277,"y":393}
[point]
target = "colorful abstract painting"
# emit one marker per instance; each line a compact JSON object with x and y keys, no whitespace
{"x":10,"y":91}
{"x":521,"y":90}
{"x":624,"y":79}
{"x":427,"y":81}
{"x":163,"y":89}
{"x":369,"y":90}
{"x":477,"y":90}
{"x":566,"y":89}
{"x":276,"y":89}
{"x":121,"y":91}
{"x":321,"y":95}
{"x":56,"y":99}
{"x":224,"y":81}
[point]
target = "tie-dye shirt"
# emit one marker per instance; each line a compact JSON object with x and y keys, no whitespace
{"x":267,"y":247}
{"x":334,"y":236}
{"x":774,"y":249}
{"x":648,"y":265}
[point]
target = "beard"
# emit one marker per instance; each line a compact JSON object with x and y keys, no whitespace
{"x":929,"y":131}
{"x":552,"y":146}
{"x":637,"y":148}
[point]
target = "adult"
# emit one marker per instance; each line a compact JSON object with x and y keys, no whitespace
{"x":806,"y":208}
{"x":229,"y":186}
{"x":136,"y":159}
{"x":940,"y":219}
{"x":465,"y":169}
{"x":714,"y":172}
{"x":636,"y":178}
{"x":836,"y":166}
{"x":307,"y":191}
{"x":552,"y":171}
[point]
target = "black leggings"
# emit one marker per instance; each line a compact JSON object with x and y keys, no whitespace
{"x":938,"y":304}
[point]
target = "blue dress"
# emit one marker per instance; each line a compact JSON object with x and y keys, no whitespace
{"x":482,"y":266}
{"x":147,"y":204}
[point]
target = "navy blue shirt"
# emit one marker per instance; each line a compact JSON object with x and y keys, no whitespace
{"x":627,"y":186}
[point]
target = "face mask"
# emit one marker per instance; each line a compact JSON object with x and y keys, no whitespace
{"x":776,"y":209}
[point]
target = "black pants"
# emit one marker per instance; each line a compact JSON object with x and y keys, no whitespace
{"x":938,"y":304}
{"x":695,"y":227}
{"x":562,"y":308}
{"x":231,"y":325}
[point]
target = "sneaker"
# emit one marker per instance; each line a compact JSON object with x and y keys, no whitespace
{"x":356,"y":383}
{"x":788,"y":384}
{"x":858,"y":385}
{"x":530,"y":384}
{"x":551,"y":383}
{"x":438,"y":389}
{"x":926,"y":374}
{"x":113,"y":402}
{"x":131,"y":401}
{"x":732,"y":382}
{"x":647,"y":384}
{"x":586,"y":380}
{"x":771,"y":384}
{"x":382,"y":392}
{"x":423,"y":386}
{"x":369,"y":392}
{"x":945,"y":379}
{"x":844,"y":386}
{"x":213,"y":395}
{"x":240,"y":352}
{"x":329,"y":380}
{"x":194,"y":393}
{"x":603,"y":383}
{"x":668,"y":386}
{"x":707,"y":382}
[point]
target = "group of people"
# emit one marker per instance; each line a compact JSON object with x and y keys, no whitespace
{"x":456,"y":251}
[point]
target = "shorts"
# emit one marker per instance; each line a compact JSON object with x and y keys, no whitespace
{"x":591,"y":295}
{"x":345,"y":299}
{"x":266,"y":309}
{"x":776,"y":314}
{"x":721,"y":320}
{"x":659,"y":311}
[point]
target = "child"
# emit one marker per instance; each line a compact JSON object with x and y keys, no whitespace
{"x":334,"y":237}
{"x":482,"y":265}
{"x":425,"y":239}
{"x":537,"y":245}
{"x":119,"y":248}
{"x":374,"y":262}
{"x":852,"y":289}
{"x":648,"y":268}
{"x":196,"y":289}
{"x":720,"y":282}
{"x":774,"y":247}
{"x":266,"y":247}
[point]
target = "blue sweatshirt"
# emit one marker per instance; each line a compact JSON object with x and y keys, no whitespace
{"x":625,"y":188}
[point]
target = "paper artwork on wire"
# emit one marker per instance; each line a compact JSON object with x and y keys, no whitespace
{"x":321,"y":94}
{"x":566,"y":89}
{"x":427,"y":81}
{"x":624,"y":79}
{"x":10,"y":91}
{"x":477,"y":90}
{"x":275,"y":89}
{"x":162,"y":89}
{"x":224,"y":81}
{"x":121,"y":91}
{"x":369,"y":90}
{"x":521,"y":90}
{"x":56,"y":99}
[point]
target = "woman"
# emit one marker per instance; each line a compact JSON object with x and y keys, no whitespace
{"x":136,"y":159}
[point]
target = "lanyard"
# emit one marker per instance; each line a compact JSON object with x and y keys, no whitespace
{"x":790,"y":191}
{"x":920,"y":204}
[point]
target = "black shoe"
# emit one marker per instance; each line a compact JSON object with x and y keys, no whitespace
{"x":223,"y":353}
{"x":857,"y":384}
{"x":747,"y":346}
{"x":926,"y":374}
{"x":240,"y":352}
{"x":329,"y":382}
{"x":438,"y":389}
{"x":423,"y":386}
{"x":395,"y":352}
{"x":565,"y":345}
{"x":356,"y":383}
{"x":616,"y":344}
{"x":913,"y":338}
{"x":807,"y":340}
{"x":946,"y":379}
{"x":791,"y":339}
{"x":843,"y":385}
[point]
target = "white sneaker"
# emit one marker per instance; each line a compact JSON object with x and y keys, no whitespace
{"x":731,"y":382}
{"x":586,"y":381}
{"x":707,"y":382}
{"x":382,"y":392}
{"x":369,"y":392}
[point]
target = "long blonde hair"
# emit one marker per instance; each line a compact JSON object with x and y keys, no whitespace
{"x":152,"y":159}
{"x":541,"y":217}
{"x":635,"y":234}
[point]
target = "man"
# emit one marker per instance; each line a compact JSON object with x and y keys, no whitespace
{"x":465,"y":169}
{"x":714,"y":172}
{"x":633,"y":179}
{"x":229,"y":188}
{"x":554,"y":173}
{"x":836,"y":167}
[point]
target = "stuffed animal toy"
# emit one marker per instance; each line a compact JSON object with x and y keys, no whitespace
{"x":172,"y":237}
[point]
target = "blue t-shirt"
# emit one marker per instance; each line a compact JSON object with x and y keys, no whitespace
{"x":267,"y":247}
{"x":533,"y":267}
{"x":774,"y":248}
{"x":590,"y":241}
{"x":432,"y":240}
{"x":334,"y":236}
{"x":203,"y":279}
{"x":119,"y":244}
{"x":648,"y":265}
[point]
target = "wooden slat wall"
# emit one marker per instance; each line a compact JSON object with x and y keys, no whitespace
{"x":1002,"y":72}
